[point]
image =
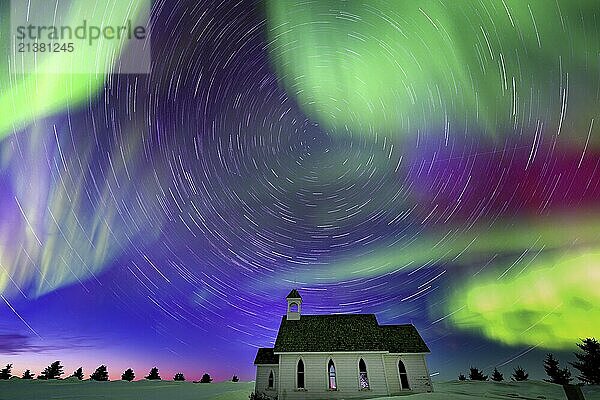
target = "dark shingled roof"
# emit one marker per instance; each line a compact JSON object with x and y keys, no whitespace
{"x":346,"y":332}
{"x":294,"y":295}
{"x":403,"y":339}
{"x":266,"y":356}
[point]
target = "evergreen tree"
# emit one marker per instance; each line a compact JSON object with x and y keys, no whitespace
{"x":462,"y":377}
{"x":497,"y":376}
{"x":27,"y":375}
{"x":5,"y":373}
{"x":179,"y":377}
{"x":100,"y":374}
{"x":519,"y":375}
{"x":477,"y":375}
{"x":153,"y":375}
{"x":556,"y":374}
{"x":78,"y":373}
{"x":128,"y":375}
{"x":258,"y":396}
{"x":588,"y":361}
{"x":206,"y":379}
{"x":53,"y":371}
{"x":235,"y":379}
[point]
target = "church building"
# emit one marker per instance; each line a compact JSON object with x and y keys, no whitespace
{"x":340,"y":356}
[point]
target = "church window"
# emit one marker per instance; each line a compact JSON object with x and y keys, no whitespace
{"x":403,"y":376}
{"x":362,"y":374}
{"x":300,"y":375}
{"x":331,"y":371}
{"x":271,"y":380}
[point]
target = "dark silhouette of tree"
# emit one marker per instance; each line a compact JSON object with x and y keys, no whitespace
{"x":206,"y":379}
{"x":556,"y":374}
{"x":27,"y":375}
{"x":588,"y":361}
{"x":235,"y":379}
{"x":519,"y":375}
{"x":497,"y":376}
{"x":78,"y":373}
{"x":477,"y":375}
{"x":100,"y":374}
{"x":153,"y":375}
{"x":462,"y":377}
{"x":259,"y":396}
{"x":128,"y":375}
{"x":5,"y":372}
{"x":179,"y":377}
{"x":52,"y":371}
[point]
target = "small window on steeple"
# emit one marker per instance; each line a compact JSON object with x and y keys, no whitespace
{"x":294,"y":306}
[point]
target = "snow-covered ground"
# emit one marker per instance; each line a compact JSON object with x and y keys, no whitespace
{"x":120,"y":390}
{"x":167,"y":390}
{"x":530,"y":390}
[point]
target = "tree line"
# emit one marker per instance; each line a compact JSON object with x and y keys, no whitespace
{"x":56,"y":370}
{"x":588,"y":365}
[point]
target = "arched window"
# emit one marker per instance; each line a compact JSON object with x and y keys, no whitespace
{"x":293,"y":307}
{"x":403,"y":376}
{"x":300,"y":375}
{"x":271,"y":380}
{"x":331,"y":371}
{"x":362,"y":374}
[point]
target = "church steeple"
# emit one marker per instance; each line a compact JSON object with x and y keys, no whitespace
{"x":294,"y":305}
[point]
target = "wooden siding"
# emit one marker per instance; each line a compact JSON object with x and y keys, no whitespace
{"x":262,"y":379}
{"x":316,"y":376}
{"x":416,"y":369}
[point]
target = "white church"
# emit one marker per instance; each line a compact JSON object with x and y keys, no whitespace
{"x":340,"y":356}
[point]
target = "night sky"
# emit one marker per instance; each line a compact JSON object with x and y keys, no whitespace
{"x":432,"y":162}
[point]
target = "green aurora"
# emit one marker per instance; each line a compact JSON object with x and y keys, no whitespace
{"x":399,"y":67}
{"x":62,"y":242}
{"x":497,"y":68}
{"x":526,"y":257}
{"x":555,"y":300}
{"x":26,"y":97}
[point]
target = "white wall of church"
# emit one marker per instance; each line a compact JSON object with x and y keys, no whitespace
{"x":262,"y":379}
{"x":416,"y":369}
{"x":316,"y":380}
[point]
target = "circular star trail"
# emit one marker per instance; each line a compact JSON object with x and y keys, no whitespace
{"x":429,"y":163}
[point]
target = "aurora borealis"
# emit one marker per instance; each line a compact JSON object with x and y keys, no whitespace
{"x":433,"y":162}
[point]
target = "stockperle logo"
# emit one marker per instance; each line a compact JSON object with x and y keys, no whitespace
{"x":80,"y":36}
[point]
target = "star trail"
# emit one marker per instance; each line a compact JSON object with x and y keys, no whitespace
{"x":433,"y":162}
